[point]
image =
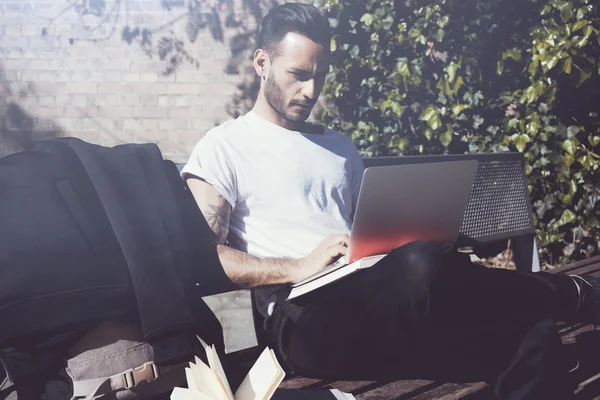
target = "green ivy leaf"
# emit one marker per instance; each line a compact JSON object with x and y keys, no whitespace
{"x":594,"y":140}
{"x":435,"y":122}
{"x":446,"y":137}
{"x":587,"y":162}
{"x":512,"y":123}
{"x":520,"y":140}
{"x":567,"y":64}
{"x":551,"y":63}
{"x":568,"y":160}
{"x":566,"y":198}
{"x":459,"y":82}
{"x":570,"y":146}
{"x":533,"y":66}
{"x":585,"y":75}
{"x":457,"y":109}
{"x":428,"y":134}
{"x":451,"y":70}
{"x":396,"y":108}
{"x":567,"y":217}
{"x":513,"y":53}
{"x":499,"y":68}
{"x":579,"y":24}
{"x":428,"y":113}
{"x":402,"y":68}
{"x":367,"y":19}
{"x":394,"y":141}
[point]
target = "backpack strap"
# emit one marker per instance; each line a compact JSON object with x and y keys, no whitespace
{"x":148,"y":372}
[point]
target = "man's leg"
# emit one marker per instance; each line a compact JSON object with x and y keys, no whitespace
{"x":426,"y":313}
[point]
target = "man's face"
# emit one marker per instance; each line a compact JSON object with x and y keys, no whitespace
{"x":296,"y":76}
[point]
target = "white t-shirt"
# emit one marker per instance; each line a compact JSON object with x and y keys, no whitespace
{"x":287,"y":189}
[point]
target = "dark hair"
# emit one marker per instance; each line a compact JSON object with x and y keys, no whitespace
{"x":304,"y":19}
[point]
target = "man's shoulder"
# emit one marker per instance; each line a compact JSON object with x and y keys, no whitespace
{"x":227,"y":129}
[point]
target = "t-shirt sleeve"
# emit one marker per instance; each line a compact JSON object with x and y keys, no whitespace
{"x":211,"y":160}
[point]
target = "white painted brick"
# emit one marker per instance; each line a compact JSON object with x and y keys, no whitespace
{"x":46,"y":100}
{"x":152,"y":136}
{"x":149,"y":100}
{"x":131,"y":100}
{"x":48,"y":111}
{"x":113,"y":88}
{"x":173,"y":124}
{"x":81,"y":76}
{"x":148,"y":77}
{"x":79,"y":100}
{"x":150,"y":112}
{"x":49,"y":87}
{"x":176,"y":112}
{"x":112,"y":99}
{"x":183,"y":101}
{"x":150,"y":124}
{"x":201,"y":125}
{"x":198,"y":76}
{"x":132,"y":124}
{"x":150,"y":88}
{"x":112,"y":76}
{"x":164,"y":101}
{"x":131,"y":77}
{"x":81,"y":88}
{"x":31,"y":75}
{"x":13,"y":30}
{"x":115,"y":112}
{"x":183,"y":88}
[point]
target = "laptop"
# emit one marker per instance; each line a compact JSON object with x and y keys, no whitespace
{"x":399,"y":204}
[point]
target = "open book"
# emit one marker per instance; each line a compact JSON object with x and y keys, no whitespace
{"x":209,"y":381}
{"x":340,"y":269}
{"x":331,"y":273}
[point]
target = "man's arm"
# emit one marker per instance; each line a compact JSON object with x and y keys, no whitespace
{"x":249,"y":271}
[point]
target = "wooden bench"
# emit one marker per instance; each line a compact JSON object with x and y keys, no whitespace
{"x":582,"y":341}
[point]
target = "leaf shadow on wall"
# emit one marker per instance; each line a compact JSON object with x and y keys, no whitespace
{"x":19,"y":130}
{"x":235,"y":24}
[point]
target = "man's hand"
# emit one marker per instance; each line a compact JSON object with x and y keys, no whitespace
{"x":330,"y":249}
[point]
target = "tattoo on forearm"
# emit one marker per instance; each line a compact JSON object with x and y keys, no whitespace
{"x":218,"y":219}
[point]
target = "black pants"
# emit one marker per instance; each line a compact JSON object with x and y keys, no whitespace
{"x":429,"y":313}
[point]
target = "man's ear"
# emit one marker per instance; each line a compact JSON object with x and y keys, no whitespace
{"x":261,"y":63}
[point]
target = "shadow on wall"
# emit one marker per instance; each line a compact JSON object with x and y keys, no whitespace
{"x":18,"y":129}
{"x":232,"y":22}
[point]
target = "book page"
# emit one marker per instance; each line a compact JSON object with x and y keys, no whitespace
{"x":202,"y":379}
{"x":264,"y":377}
{"x":217,"y":367}
{"x":184,"y":394}
{"x":299,"y":290}
{"x":342,"y":395}
{"x":341,"y":262}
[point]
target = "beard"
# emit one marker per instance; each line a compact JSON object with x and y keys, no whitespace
{"x":276,"y":99}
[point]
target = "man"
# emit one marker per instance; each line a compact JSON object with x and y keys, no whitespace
{"x":280,"y":193}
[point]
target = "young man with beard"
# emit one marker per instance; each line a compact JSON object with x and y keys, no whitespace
{"x":280,"y":194}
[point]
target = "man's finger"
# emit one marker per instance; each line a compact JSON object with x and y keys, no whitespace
{"x":338,"y":239}
{"x":338,"y":250}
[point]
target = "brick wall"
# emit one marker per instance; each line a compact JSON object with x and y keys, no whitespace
{"x":71,"y":71}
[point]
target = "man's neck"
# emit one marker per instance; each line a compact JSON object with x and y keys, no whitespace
{"x":266,"y":112}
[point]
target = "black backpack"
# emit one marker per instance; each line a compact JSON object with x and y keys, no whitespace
{"x":90,"y":234}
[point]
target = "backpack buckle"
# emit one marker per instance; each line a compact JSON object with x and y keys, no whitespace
{"x":147,"y":372}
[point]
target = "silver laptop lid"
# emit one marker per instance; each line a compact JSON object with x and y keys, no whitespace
{"x":398,"y":204}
